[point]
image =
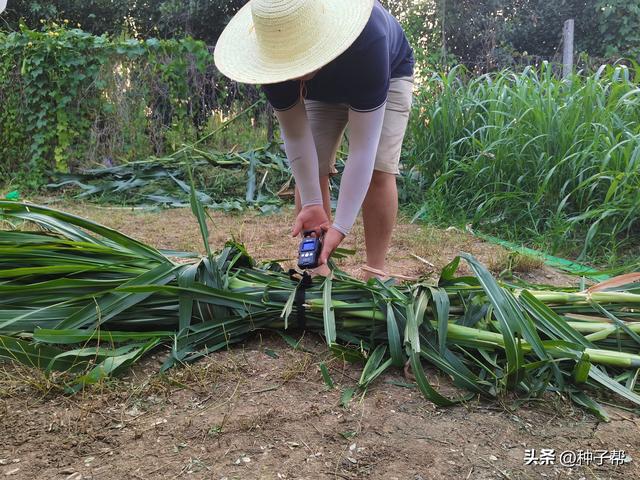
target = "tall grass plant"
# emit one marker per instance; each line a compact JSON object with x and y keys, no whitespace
{"x":533,"y":158}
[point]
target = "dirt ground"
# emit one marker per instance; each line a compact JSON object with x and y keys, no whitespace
{"x":262,"y":410}
{"x":269,"y":238}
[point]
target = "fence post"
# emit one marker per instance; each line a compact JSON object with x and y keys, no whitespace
{"x":567,"y":42}
{"x":444,"y":32}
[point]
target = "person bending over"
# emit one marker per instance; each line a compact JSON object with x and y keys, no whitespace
{"x":326,"y":65}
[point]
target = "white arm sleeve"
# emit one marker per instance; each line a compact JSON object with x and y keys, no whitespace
{"x":364,"y":135}
{"x":301,"y":152}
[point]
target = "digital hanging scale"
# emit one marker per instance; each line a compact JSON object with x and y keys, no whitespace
{"x":309,"y":251}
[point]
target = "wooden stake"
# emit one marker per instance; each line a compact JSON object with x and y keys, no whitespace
{"x":567,"y":42}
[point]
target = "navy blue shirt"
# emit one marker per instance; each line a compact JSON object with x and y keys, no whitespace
{"x":360,"y":76}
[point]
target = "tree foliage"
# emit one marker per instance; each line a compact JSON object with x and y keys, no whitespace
{"x":483,"y":34}
{"x":618,"y":26}
{"x":487,"y":33}
{"x":201,"y":19}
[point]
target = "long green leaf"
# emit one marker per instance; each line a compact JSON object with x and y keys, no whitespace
{"x":441,"y":310}
{"x":328,"y":313}
{"x":424,"y":386}
{"x":112,"y":304}
{"x":75,"y":336}
{"x":39,"y":356}
{"x":393,"y":338}
{"x":69,"y":225}
{"x":508,"y":318}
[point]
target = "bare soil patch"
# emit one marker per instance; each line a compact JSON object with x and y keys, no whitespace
{"x":244,"y":414}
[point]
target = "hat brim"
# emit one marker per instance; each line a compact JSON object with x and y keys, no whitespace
{"x":3,"y":5}
{"x":238,"y":55}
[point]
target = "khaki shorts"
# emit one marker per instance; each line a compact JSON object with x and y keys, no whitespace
{"x":329,"y":120}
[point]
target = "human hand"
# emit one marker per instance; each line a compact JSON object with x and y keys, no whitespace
{"x":311,"y":218}
{"x":332,"y":239}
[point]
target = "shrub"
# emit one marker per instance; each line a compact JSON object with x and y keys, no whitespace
{"x":70,"y":98}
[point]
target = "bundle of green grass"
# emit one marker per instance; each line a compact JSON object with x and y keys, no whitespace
{"x":80,"y":298}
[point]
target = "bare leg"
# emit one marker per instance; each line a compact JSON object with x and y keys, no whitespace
{"x":379,"y":212}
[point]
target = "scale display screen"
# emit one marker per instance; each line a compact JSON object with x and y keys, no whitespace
{"x":308,"y":246}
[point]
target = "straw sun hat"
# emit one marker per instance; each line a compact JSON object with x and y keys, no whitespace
{"x":270,"y":41}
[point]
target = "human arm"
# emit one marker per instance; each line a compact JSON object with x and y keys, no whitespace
{"x":303,"y":158}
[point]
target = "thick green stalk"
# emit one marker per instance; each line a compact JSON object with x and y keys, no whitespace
{"x":373,"y":313}
{"x":484,"y":338}
{"x":603,"y":357}
{"x":588,"y":327}
{"x":565,"y":298}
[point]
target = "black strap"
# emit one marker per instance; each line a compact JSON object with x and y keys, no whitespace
{"x":304,"y":282}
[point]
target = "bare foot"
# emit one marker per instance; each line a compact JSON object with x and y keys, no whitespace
{"x":369,"y":273}
{"x":322,"y":271}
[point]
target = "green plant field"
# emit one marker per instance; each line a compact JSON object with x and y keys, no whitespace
{"x":527,"y":156}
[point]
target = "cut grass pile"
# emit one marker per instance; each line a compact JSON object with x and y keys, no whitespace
{"x":80,"y":298}
{"x":231,"y":181}
{"x":532,"y":158}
